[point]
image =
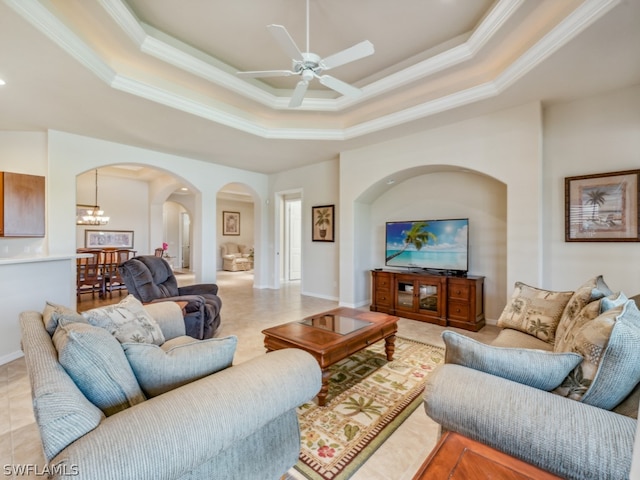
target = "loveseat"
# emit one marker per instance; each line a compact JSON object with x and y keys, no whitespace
{"x":236,"y":257}
{"x":564,"y":398}
{"x":237,"y":423}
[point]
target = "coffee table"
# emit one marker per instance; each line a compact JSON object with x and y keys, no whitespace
{"x":333,"y":336}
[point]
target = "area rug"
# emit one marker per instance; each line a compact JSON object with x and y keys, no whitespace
{"x":368,"y":400}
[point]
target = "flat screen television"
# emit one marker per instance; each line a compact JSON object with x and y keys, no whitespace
{"x":441,"y":245}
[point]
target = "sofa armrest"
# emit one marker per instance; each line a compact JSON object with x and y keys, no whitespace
{"x":194,"y":302}
{"x":169,"y":316}
{"x":568,"y":438}
{"x":199,"y":289}
{"x":172,"y":434}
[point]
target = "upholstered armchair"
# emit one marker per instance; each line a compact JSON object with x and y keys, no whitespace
{"x":150,"y":279}
{"x":236,"y":257}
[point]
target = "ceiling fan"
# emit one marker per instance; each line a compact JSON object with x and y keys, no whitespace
{"x":309,"y":65}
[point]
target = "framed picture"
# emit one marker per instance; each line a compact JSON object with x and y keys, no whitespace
{"x":230,"y":223}
{"x":323,"y":223}
{"x":108,"y":238}
{"x":602,"y":207}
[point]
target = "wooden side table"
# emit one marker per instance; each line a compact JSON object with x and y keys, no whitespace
{"x":459,"y":458}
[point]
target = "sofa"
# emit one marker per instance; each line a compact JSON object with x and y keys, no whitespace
{"x":236,"y":257}
{"x":563,"y":398}
{"x":238,"y":422}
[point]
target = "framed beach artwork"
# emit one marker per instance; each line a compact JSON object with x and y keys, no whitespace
{"x":323,"y":224}
{"x":108,"y":238}
{"x":230,"y":223}
{"x":602,"y":207}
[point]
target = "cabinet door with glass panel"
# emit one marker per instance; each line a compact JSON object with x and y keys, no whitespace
{"x":421,"y":294}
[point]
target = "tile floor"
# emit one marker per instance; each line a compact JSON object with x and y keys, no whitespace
{"x":246,"y":312}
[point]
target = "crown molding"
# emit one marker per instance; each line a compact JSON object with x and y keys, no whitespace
{"x":174,"y":52}
{"x":40,"y":13}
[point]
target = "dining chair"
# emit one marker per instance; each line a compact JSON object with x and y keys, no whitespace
{"x":89,"y":274}
{"x":113,"y":279}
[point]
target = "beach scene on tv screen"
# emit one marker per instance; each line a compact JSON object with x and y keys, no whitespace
{"x":436,"y":244}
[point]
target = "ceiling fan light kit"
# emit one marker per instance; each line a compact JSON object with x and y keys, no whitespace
{"x":310,"y":65}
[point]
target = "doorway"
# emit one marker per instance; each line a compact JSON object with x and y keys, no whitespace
{"x":292,"y":251}
{"x":185,"y":241}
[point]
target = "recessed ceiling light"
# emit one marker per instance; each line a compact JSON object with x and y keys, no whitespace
{"x":184,"y":189}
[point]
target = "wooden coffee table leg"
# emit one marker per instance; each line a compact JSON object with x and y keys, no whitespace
{"x":324,"y":389}
{"x":390,"y":346}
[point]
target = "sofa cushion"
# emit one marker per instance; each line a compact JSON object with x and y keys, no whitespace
{"x":128,"y":321}
{"x":53,"y":312}
{"x":593,"y":289}
{"x":179,"y":361}
{"x":610,"y":345}
{"x":94,"y":359}
{"x":534,"y":311}
{"x":536,"y":368}
{"x":516,"y":339}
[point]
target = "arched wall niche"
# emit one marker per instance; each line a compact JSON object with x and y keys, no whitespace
{"x":441,"y":192}
{"x":502,"y":148}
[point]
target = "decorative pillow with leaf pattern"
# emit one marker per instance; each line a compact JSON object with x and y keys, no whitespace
{"x":128,"y":321}
{"x":593,"y":289}
{"x":534,"y":311}
{"x":610,"y":346}
{"x":590,"y":311}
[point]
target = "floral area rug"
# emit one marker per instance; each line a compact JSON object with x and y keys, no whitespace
{"x":369,"y":398}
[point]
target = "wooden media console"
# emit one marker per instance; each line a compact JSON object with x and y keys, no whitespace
{"x":445,"y":300}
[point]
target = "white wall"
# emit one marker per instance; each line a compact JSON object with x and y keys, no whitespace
{"x":593,"y":135}
{"x":320,"y":262}
{"x":505,"y":146}
{"x":247,"y":220}
{"x":70,"y":155}
{"x":124,"y":200}
{"x":27,"y":285}
{"x":442,"y":195}
{"x":23,"y":152}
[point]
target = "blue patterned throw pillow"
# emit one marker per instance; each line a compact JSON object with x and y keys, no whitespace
{"x":536,"y":368}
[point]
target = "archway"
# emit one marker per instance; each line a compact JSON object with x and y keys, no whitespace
{"x":240,"y":230}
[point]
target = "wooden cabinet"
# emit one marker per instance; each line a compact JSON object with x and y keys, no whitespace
{"x":22,"y":205}
{"x":440,"y":299}
{"x":465,"y":302}
{"x":421,"y":297}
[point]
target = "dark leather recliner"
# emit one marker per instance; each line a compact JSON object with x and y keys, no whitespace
{"x":150,"y":279}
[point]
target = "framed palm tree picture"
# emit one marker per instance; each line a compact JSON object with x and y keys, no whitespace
{"x":602,"y":207}
{"x":323,"y":223}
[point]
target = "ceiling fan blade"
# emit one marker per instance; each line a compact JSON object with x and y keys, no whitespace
{"x":298,"y":94}
{"x":286,"y":42}
{"x":358,"y":51}
{"x":266,"y":73}
{"x":339,"y":86}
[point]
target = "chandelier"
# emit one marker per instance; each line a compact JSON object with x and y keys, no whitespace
{"x":93,"y":215}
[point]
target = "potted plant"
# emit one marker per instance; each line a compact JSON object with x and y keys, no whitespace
{"x":323,"y":220}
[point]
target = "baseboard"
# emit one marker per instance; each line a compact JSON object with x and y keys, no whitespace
{"x":365,"y":303}
{"x":11,"y":357}
{"x":316,"y":295}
